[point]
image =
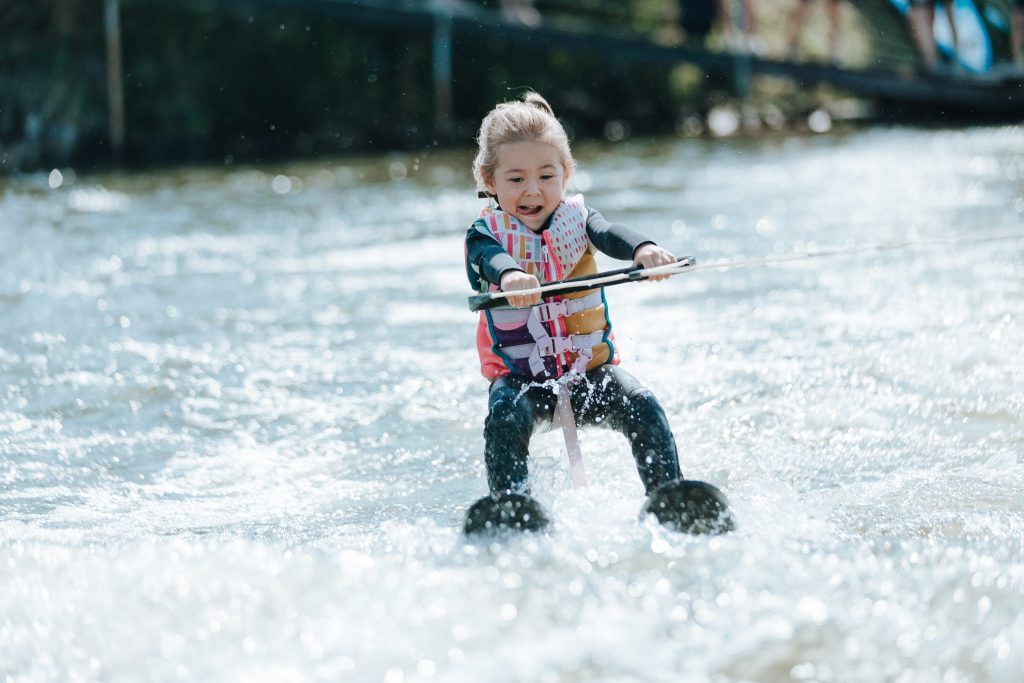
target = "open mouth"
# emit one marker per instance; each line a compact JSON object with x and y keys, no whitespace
{"x":530,"y":210}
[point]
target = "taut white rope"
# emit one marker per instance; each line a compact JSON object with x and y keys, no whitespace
{"x":679,"y":268}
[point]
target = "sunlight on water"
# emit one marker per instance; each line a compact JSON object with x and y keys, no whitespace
{"x":242,"y":420}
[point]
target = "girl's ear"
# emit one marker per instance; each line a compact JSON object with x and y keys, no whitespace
{"x":489,"y":184}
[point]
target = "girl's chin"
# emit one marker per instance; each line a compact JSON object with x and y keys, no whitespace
{"x":532,"y":220}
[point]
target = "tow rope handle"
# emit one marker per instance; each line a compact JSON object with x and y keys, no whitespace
{"x":480,"y":302}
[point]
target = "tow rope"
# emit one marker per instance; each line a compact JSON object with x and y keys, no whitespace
{"x":688,"y":264}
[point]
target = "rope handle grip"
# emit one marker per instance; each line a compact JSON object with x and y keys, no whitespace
{"x":480,"y":302}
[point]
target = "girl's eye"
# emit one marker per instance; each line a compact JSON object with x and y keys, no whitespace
{"x":547,"y":176}
{"x":515,"y":180}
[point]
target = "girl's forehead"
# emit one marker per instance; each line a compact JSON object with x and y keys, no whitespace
{"x":527,"y":154}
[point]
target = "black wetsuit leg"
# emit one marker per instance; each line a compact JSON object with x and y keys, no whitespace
{"x":609,"y":397}
{"x":612,"y":398}
{"x":513,"y":415}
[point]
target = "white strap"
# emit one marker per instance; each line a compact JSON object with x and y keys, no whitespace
{"x":566,"y":420}
{"x":577,"y":473}
{"x":540,"y":334}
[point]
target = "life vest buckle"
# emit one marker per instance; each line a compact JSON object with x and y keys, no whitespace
{"x":551,"y":310}
{"x":556,"y":346}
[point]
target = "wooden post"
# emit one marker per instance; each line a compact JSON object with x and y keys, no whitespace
{"x":442,"y":53}
{"x":115,"y":78}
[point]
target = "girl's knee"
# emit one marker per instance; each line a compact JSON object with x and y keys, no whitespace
{"x":507,"y":414}
{"x":643,"y":405}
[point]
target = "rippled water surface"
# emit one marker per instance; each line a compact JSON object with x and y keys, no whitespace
{"x":241,"y":418}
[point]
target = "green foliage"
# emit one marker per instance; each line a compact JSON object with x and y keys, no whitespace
{"x":52,"y":96}
{"x":207,"y":80}
{"x":274,"y":82}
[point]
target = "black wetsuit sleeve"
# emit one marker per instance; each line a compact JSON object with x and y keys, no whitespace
{"x":486,"y":259}
{"x":614,"y":239}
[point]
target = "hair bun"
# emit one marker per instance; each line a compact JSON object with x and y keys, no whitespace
{"x":536,"y":100}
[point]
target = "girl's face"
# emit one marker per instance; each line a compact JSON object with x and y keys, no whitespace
{"x":528,"y":180}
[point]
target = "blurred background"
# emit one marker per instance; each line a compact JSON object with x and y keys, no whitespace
{"x":90,"y":82}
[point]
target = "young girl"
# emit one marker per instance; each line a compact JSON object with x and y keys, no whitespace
{"x":535,"y":234}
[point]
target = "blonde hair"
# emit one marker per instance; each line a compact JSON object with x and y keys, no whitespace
{"x":531,"y":120}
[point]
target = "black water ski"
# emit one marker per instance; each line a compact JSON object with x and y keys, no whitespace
{"x":692,"y":507}
{"x":514,"y":511}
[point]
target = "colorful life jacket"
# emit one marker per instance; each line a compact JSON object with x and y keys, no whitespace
{"x":545,"y":341}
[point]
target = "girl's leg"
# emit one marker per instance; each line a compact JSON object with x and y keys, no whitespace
{"x":749,"y":18}
{"x":512,"y":416}
{"x":796,"y":22}
{"x":1017,"y":34}
{"x":834,"y":36}
{"x":611,"y":397}
{"x":922,"y":16}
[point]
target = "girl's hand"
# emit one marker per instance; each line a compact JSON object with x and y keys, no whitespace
{"x":512,"y":280}
{"x":650,"y":256}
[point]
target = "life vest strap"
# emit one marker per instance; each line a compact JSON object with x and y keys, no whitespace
{"x":554,"y":346}
{"x":546,"y":312}
{"x":553,"y":310}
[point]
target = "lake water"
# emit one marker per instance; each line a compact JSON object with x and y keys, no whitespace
{"x":241,"y":420}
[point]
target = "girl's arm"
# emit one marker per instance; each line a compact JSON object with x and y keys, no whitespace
{"x":486,"y":259}
{"x":626,"y":244}
{"x":614,"y":239}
